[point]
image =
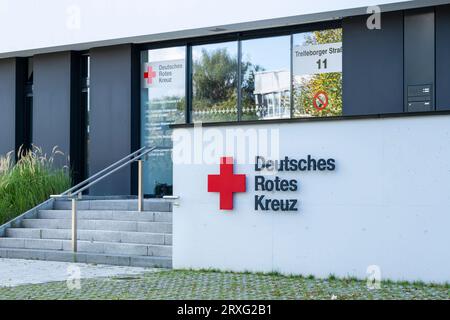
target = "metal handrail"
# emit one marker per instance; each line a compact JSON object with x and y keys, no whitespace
{"x":72,"y":192}
{"x":77,"y":191}
{"x":116,"y":169}
{"x":69,"y":192}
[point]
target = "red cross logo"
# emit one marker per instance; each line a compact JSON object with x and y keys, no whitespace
{"x":226,"y":183}
{"x":149,"y":75}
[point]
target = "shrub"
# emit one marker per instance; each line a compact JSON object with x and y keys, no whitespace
{"x":29,"y":182}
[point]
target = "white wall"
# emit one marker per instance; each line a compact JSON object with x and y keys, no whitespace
{"x":387,"y":204}
{"x":35,"y":24}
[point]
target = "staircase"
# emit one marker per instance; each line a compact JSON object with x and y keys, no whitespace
{"x":109,"y":232}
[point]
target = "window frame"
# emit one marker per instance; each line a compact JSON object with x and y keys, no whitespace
{"x":238,"y":73}
{"x":238,"y":37}
{"x":270,"y":35}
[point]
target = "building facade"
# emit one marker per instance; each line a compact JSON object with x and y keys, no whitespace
{"x":99,"y":104}
{"x":371,"y":101}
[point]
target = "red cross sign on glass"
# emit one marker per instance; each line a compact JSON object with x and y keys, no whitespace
{"x":149,"y":75}
{"x":226,"y":183}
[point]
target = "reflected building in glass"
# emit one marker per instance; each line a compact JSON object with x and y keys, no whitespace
{"x":272,"y":95}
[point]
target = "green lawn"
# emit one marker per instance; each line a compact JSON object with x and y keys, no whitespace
{"x":173,"y":284}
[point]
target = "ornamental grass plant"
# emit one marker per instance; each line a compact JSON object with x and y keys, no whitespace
{"x":30,"y":181}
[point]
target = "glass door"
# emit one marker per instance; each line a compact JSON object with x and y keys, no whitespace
{"x":162,"y":103}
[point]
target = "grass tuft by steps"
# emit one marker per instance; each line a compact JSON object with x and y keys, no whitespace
{"x":30,"y":181}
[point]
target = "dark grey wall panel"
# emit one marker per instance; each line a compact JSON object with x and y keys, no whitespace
{"x":419,"y":60}
{"x":51,"y":103}
{"x":373,"y":65}
{"x":7,"y":105}
{"x":443,"y":58}
{"x":110,"y":116}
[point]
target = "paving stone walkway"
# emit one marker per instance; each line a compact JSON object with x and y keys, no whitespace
{"x":15,"y":272}
{"x":172,"y":284}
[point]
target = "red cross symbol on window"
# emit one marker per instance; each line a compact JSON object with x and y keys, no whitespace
{"x":149,"y":75}
{"x":226,"y":183}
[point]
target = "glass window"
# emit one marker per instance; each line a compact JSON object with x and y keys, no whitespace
{"x":84,"y":119}
{"x":317,"y":70}
{"x":27,"y":133}
{"x":214,"y":80}
{"x":163,"y":102}
{"x":29,"y":77}
{"x":266,"y":78}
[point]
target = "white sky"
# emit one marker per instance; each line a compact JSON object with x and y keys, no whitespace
{"x":29,"y":24}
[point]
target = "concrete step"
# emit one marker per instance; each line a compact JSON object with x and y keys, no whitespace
{"x":92,"y":235}
{"x":107,"y":215}
{"x":109,"y":225}
{"x":85,"y":257}
{"x":157,"y":205}
{"x":87,"y":246}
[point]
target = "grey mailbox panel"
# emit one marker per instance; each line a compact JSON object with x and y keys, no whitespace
{"x":420,"y":98}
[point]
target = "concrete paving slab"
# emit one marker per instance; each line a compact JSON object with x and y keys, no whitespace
{"x":15,"y":272}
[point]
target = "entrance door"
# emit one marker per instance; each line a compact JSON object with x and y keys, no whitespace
{"x":162,"y":103}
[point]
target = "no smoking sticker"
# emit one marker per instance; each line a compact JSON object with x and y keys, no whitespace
{"x":320,"y":100}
